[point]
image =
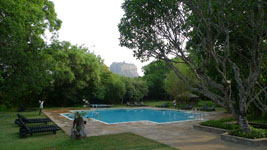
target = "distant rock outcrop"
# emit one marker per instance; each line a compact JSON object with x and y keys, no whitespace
{"x":124,"y":69}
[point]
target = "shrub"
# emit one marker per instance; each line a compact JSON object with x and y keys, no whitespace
{"x":224,"y":120}
{"x":234,"y":128}
{"x":221,"y":124}
{"x":201,"y":103}
{"x":258,"y":119}
{"x":3,"y":107}
{"x":254,"y":134}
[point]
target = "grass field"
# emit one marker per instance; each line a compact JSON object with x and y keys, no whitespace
{"x":10,"y":140}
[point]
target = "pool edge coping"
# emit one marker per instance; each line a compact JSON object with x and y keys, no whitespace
{"x":141,"y":121}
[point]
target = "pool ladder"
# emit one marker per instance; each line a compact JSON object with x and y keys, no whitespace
{"x":197,"y":114}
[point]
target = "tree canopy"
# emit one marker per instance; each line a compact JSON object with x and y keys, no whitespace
{"x":154,"y":75}
{"x":58,"y":72}
{"x":175,"y":86}
{"x":136,"y":89}
{"x":229,"y":37}
{"x":72,"y":68}
{"x":22,"y":25}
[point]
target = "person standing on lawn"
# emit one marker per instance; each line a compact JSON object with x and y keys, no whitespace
{"x":41,"y":106}
{"x":174,"y":103}
{"x":77,"y":130}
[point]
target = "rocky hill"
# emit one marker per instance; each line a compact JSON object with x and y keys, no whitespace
{"x":124,"y":69}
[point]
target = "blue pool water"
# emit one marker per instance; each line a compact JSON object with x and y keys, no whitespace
{"x":111,"y":116}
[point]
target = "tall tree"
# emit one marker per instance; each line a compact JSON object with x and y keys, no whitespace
{"x":229,"y":35}
{"x":111,"y":88}
{"x":73,"y":69}
{"x":116,"y":90}
{"x":154,"y":75}
{"x":22,"y":25}
{"x":174,"y":86}
{"x":136,"y":89}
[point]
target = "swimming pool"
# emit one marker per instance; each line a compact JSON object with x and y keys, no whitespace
{"x":114,"y":116}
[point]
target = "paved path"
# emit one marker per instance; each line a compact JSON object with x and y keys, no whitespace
{"x":180,"y":135}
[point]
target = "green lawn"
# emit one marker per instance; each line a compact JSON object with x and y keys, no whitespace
{"x":9,"y":139}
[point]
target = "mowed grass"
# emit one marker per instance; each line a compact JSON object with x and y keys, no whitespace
{"x":10,"y":140}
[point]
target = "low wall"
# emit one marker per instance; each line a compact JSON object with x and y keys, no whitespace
{"x":244,"y":141}
{"x":210,"y":129}
{"x":235,"y":139}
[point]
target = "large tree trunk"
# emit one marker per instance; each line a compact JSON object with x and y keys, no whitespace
{"x":243,"y":122}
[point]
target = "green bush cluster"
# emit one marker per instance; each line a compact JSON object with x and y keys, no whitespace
{"x":235,"y":129}
{"x":221,"y":124}
{"x":254,"y":134}
{"x":209,"y":103}
{"x":3,"y":108}
{"x":258,"y":119}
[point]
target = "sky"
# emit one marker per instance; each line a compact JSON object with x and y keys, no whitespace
{"x":94,"y":23}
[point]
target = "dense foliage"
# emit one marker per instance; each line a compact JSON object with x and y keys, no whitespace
{"x":22,"y":26}
{"x":222,"y":123}
{"x":154,"y":75}
{"x":223,"y":44}
{"x":72,"y":70}
{"x":136,"y":89}
{"x":75,"y":74}
{"x":254,"y":134}
{"x":59,"y":73}
{"x":63,"y":74}
{"x":174,"y":86}
{"x":234,"y":129}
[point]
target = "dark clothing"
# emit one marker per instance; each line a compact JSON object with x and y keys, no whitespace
{"x":77,"y":130}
